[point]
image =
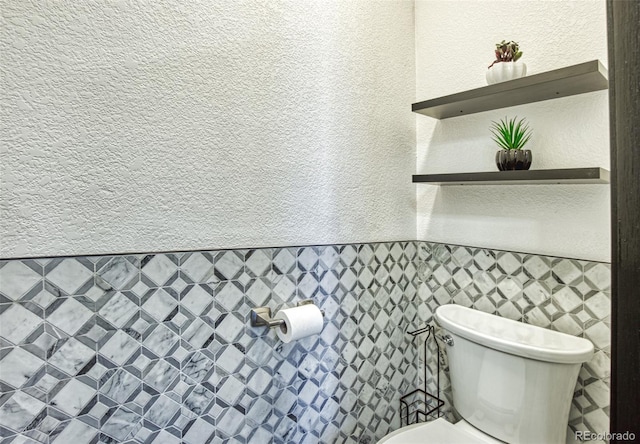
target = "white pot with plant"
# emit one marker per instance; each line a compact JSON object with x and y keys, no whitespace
{"x":506,"y":66}
{"x":512,"y":135}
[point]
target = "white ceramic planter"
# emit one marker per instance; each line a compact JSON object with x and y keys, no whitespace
{"x":503,"y":71}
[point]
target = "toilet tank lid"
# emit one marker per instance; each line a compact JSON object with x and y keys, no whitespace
{"x":513,"y":337}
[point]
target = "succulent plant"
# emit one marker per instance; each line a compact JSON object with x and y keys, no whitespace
{"x":507,"y":52}
{"x":511,"y":134}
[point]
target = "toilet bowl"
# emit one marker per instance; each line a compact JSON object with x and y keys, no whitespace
{"x":511,"y":382}
{"x":439,"y":432}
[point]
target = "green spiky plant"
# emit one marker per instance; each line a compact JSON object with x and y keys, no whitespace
{"x":507,"y":52}
{"x":511,"y":134}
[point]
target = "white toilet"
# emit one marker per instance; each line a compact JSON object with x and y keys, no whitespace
{"x":512,"y":382}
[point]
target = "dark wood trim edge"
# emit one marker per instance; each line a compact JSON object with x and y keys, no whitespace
{"x":624,"y":108}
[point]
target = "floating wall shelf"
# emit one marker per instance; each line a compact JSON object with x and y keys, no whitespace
{"x":522,"y":177}
{"x":577,"y":79}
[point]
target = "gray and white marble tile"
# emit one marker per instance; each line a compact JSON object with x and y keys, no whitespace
{"x":16,"y":323}
{"x":257,"y":291}
{"x":307,"y":259}
{"x":161,"y":375}
{"x":199,"y":431}
{"x":196,"y":300}
{"x":284,"y":260}
{"x":599,"y":333}
{"x":96,"y":333}
{"x":259,"y":381}
{"x":161,"y":340}
{"x":599,"y":366}
{"x":308,"y":285}
{"x":598,"y":276}
{"x":43,"y":298}
{"x":71,"y":357}
{"x":73,"y":397}
{"x":567,"y":271}
{"x":70,"y":275}
{"x":199,"y":400}
{"x":17,"y":278}
{"x":230,"y":422}
{"x":45,"y":426}
{"x":537,"y":267}
{"x":162,"y":411}
{"x":119,"y":348}
{"x":118,"y":309}
{"x":229,"y":265}
{"x":160,"y":269}
{"x":120,"y":386}
{"x":229,"y":296}
{"x":18,"y":366}
{"x":69,"y":316}
{"x":258,"y":262}
{"x":198,"y":267}
{"x":198,"y":334}
{"x":42,"y":342}
{"x":199,"y":367}
{"x":121,"y":424}
{"x":230,"y":389}
{"x":173,"y":327}
{"x":47,"y":382}
{"x":75,"y":432}
{"x":229,"y":327}
{"x":18,"y":412}
{"x":118,"y":272}
{"x":22,"y":439}
{"x":284,"y":288}
{"x":99,"y":410}
{"x":164,"y":437}
{"x":259,"y":410}
{"x":566,"y":298}
{"x":160,"y":304}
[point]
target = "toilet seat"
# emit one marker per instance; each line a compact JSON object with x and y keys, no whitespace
{"x":435,"y":432}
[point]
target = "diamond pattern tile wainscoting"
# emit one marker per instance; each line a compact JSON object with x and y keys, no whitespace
{"x":157,"y":348}
{"x":567,"y":295}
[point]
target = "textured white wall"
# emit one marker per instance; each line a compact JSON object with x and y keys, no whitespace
{"x":172,"y":125}
{"x":454,"y":45}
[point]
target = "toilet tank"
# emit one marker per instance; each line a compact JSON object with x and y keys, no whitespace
{"x":511,"y":380}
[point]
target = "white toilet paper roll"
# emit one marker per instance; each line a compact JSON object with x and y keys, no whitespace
{"x":299,"y":322}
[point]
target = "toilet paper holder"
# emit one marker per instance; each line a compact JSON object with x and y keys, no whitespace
{"x":261,"y":316}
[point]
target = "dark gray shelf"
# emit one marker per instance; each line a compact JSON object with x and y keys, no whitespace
{"x":577,"y":79}
{"x":522,"y":177}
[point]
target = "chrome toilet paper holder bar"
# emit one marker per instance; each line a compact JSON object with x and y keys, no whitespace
{"x":261,"y":316}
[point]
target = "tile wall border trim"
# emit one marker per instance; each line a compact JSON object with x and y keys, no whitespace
{"x":135,"y":253}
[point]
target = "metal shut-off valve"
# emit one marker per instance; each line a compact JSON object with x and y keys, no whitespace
{"x":447,"y":339}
